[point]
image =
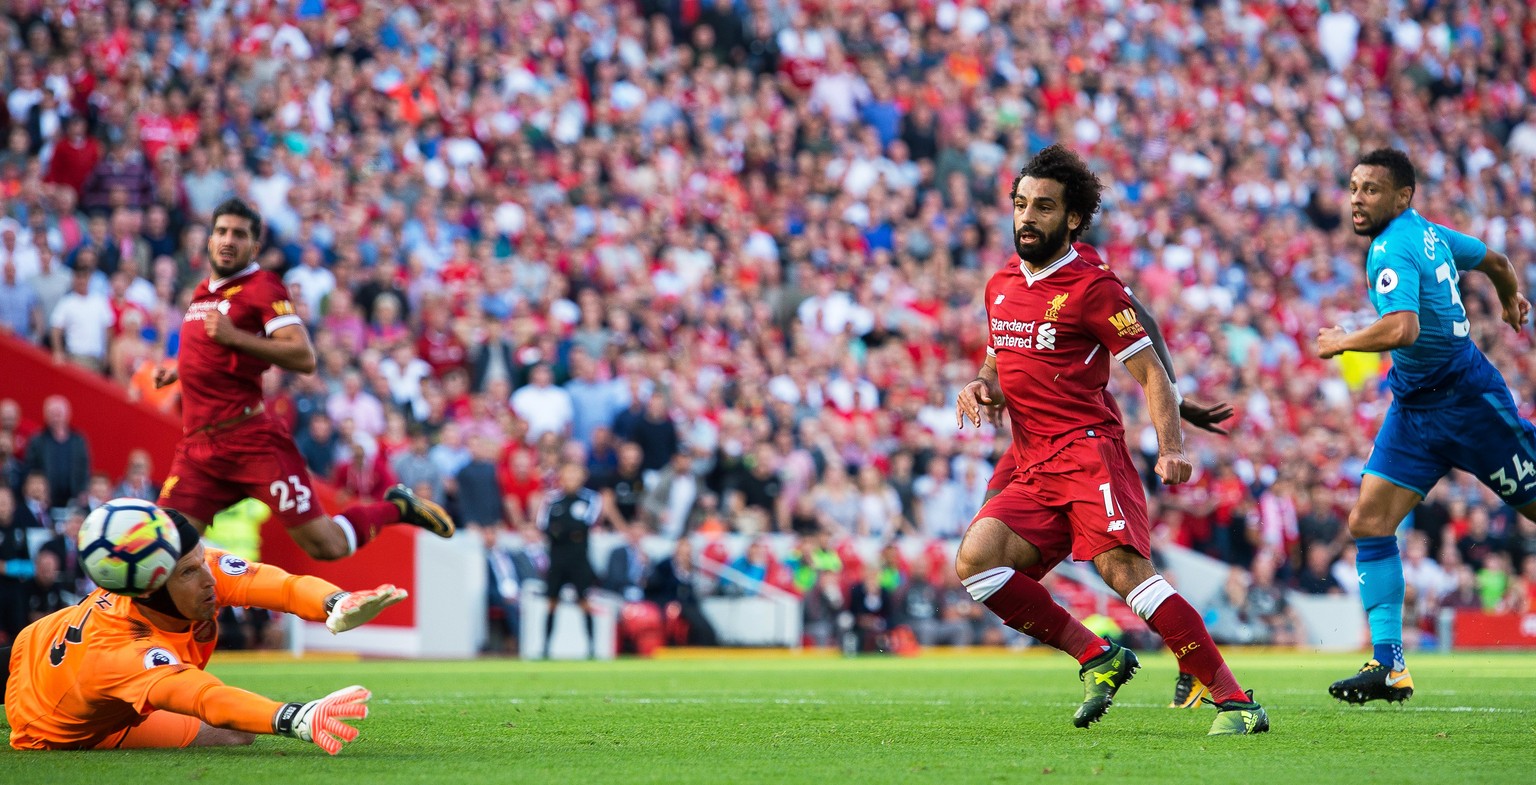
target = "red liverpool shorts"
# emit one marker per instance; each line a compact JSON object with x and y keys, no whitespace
{"x":1083,"y":501}
{"x":255,"y":459}
{"x":1007,"y":466}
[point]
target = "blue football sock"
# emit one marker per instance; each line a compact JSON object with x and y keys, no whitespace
{"x":1381,"y":592}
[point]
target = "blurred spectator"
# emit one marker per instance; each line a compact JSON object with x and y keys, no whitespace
{"x":943,"y":510}
{"x":1316,"y":576}
{"x":479,"y":490}
{"x":671,"y":500}
{"x":676,"y":586}
{"x":1229,"y":617}
{"x":823,"y":610}
{"x":1266,"y":604}
{"x":873,"y":612}
{"x":1493,"y":582}
{"x":413,"y":468}
{"x":137,"y":478}
{"x":79,"y":324}
{"x":11,"y":468}
{"x":1478,"y":543}
{"x":36,"y":508}
{"x":545,"y":407}
{"x":19,"y":311}
{"x":60,"y":453}
{"x":353,"y":402}
{"x":629,"y":567}
{"x":319,"y":445}
{"x":623,"y":490}
{"x":752,"y":567}
{"x":69,"y":582}
{"x":16,"y":569}
{"x":506,"y":571}
{"x":365,"y":475}
{"x":98,"y":492}
{"x":880,"y":513}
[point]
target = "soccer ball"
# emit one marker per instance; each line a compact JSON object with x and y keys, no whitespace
{"x":129,"y":547}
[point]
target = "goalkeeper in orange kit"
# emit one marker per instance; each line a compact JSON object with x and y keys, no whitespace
{"x":115,"y":672}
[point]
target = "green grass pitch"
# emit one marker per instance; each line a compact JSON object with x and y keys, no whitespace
{"x":939,"y":718}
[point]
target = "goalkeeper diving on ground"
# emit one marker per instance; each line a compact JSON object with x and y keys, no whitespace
{"x":120,"y":673}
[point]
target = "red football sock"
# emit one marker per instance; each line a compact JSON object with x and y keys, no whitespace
{"x":1185,"y":635}
{"x":1023,"y":604}
{"x":369,"y":519}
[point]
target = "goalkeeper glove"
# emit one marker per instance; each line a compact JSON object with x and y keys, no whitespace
{"x":354,"y":609}
{"x":320,"y":721}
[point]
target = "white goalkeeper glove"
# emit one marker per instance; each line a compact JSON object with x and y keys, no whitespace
{"x":354,"y":609}
{"x":320,"y":721}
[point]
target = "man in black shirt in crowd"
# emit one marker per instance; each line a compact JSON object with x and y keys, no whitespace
{"x":60,"y":453}
{"x":624,"y":489}
{"x":567,"y":517}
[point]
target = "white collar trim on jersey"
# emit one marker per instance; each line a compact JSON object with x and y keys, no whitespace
{"x":215,"y":283}
{"x":1030,"y":278}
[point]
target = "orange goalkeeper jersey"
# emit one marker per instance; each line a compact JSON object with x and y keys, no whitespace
{"x":85,"y":674}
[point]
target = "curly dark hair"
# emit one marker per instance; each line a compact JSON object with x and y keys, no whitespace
{"x":240,"y":209}
{"x":1396,"y":163}
{"x":1081,"y":187}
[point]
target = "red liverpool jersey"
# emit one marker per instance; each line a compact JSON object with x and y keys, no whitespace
{"x":217,"y":382}
{"x":1053,"y":334}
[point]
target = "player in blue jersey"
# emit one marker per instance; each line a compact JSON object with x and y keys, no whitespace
{"x":1451,"y":408}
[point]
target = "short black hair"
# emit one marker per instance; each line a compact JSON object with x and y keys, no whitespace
{"x":1081,"y":187}
{"x":240,"y":209}
{"x":1396,"y":163}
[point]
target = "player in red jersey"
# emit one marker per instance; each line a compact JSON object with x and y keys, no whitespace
{"x":1054,"y":322}
{"x":1207,"y":417}
{"x":240,"y":323}
{"x":1187,"y":690}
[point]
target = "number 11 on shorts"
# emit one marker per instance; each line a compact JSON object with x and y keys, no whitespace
{"x":1115,"y":524}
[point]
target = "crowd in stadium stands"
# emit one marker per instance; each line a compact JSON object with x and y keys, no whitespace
{"x":728,"y":253}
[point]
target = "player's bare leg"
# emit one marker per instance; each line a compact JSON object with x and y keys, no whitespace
{"x":323,"y":539}
{"x":990,"y":561}
{"x":1132,"y":576}
{"x":328,"y":538}
{"x":1373,"y":523}
{"x":209,"y":736}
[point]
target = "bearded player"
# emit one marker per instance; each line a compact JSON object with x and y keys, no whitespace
{"x":115,"y":672}
{"x":1188,"y":692}
{"x":240,"y":323}
{"x":1054,"y":321}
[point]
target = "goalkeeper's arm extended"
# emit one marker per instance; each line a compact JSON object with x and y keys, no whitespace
{"x":199,"y":694}
{"x":308,"y":597}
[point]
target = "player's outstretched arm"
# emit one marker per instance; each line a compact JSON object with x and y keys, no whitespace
{"x":1207,"y":417}
{"x":1501,"y":271}
{"x":255,"y":585}
{"x":1393,"y":331}
{"x":197,"y":693}
{"x":981,"y":394}
{"x":288,"y":347}
{"x":1148,"y":371}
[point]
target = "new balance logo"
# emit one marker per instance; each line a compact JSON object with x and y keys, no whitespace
{"x":1115,"y":526}
{"x":998,"y":301}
